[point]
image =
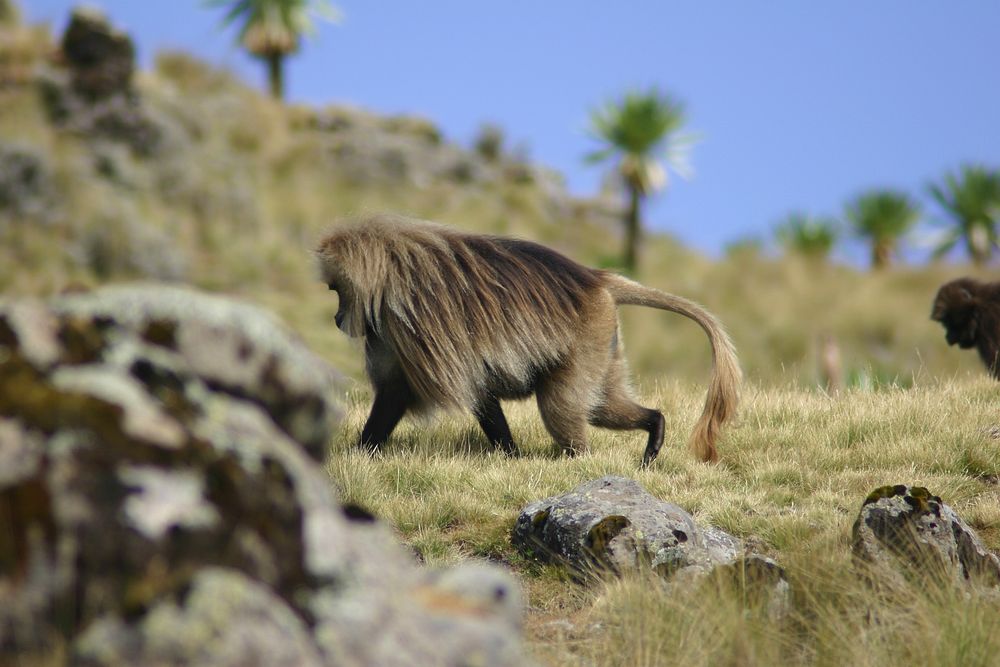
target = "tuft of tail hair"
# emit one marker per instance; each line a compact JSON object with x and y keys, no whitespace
{"x":724,"y":388}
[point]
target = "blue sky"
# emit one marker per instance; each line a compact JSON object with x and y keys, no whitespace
{"x":799,"y":104}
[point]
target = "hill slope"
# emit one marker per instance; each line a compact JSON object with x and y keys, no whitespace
{"x":183,"y":173}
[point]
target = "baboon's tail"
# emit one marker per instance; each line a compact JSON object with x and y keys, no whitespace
{"x":723,"y":391}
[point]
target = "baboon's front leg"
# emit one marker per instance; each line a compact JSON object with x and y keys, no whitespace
{"x":389,"y":407}
{"x":494,"y":425}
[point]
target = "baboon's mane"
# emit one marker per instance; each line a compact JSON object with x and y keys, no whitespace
{"x":460,"y":310}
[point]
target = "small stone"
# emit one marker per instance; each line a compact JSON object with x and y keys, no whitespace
{"x":613,"y":525}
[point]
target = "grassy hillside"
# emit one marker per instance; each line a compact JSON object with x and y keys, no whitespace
{"x":236,"y":189}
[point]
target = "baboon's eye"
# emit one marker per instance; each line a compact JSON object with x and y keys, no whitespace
{"x":332,"y":287}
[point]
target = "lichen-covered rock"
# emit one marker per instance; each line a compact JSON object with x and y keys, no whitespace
{"x":226,"y":619}
{"x":162,"y":502}
{"x":612,"y":523}
{"x":236,"y":348}
{"x":907,"y":532}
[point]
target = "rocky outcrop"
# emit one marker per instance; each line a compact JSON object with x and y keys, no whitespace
{"x":93,"y":95}
{"x":613,"y":524}
{"x":400,"y":150}
{"x":905,"y":532}
{"x":101,"y":59}
{"x":363,"y":148}
{"x":162,"y":502}
{"x":233,"y":347}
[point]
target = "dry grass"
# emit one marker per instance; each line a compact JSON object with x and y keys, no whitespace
{"x":795,"y":469}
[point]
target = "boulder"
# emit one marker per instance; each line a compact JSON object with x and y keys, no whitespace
{"x":905,"y":532}
{"x":236,"y":348}
{"x":162,"y":501}
{"x":613,"y":524}
{"x":101,"y":59}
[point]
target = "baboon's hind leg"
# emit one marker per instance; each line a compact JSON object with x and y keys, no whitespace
{"x":564,"y":401}
{"x":567,"y":395}
{"x":494,"y":425}
{"x":620,"y":412}
{"x":565,"y":419}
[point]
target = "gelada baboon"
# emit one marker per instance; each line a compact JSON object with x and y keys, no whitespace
{"x":969,"y":310}
{"x":458,"y":320}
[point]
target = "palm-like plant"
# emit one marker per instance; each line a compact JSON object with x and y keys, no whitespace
{"x":807,"y":235}
{"x":272,"y":29}
{"x":972,"y":201}
{"x":641,"y":131}
{"x":882,"y":217}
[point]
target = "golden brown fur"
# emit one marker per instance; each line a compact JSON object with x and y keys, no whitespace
{"x":459,"y":320}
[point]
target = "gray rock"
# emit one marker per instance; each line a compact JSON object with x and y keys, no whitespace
{"x":236,"y":348}
{"x":905,"y":532}
{"x":162,"y":502}
{"x":26,"y":186}
{"x":226,"y":619}
{"x":613,"y":524}
{"x":121,"y":117}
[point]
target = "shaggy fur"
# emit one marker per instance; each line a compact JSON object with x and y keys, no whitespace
{"x":458,"y":320}
{"x":969,"y":310}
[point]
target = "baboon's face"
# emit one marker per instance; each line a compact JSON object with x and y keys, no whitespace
{"x":345,"y":301}
{"x":956,"y":310}
{"x":960,"y":328}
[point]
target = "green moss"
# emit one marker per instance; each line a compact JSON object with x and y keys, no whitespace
{"x":161,"y":332}
{"x":921,"y":500}
{"x":155,"y":583}
{"x":881,"y":492}
{"x":539,"y":519}
{"x":8,"y":337}
{"x":82,"y":340}
{"x":28,"y":396}
{"x":24,"y":508}
{"x":601,"y":534}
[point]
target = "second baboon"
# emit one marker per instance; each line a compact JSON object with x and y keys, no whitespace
{"x":458,"y":320}
{"x":969,"y":310}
